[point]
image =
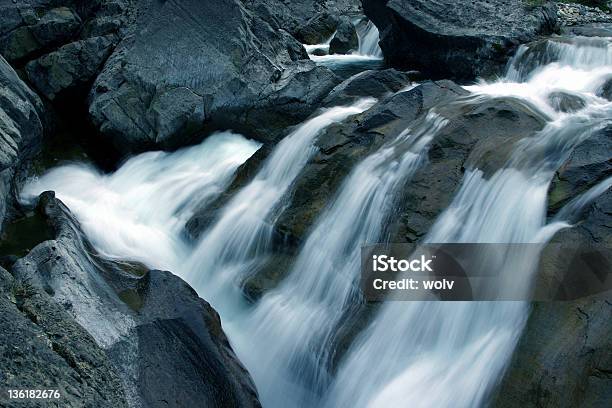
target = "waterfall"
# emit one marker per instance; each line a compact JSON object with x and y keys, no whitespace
{"x":368,"y":39}
{"x":418,"y":354}
{"x":138,"y":212}
{"x":300,"y":317}
{"x":424,"y":354}
{"x":238,"y":241}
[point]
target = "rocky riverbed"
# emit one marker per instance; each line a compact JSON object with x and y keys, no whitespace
{"x":110,"y":83}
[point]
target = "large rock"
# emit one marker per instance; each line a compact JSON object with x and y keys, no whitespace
{"x":28,"y":28}
{"x":588,"y":164}
{"x":166,"y":344}
{"x":42,"y":346}
{"x":457,"y":39}
{"x":21,"y":129}
{"x":345,"y":39}
{"x":224,"y":65}
{"x":70,"y":67}
{"x":63,"y":43}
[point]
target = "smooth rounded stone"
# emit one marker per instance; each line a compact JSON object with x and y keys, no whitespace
{"x":588,"y":164}
{"x":253,"y":81}
{"x":565,"y":102}
{"x":318,"y":29}
{"x":606,"y":90}
{"x":457,"y":39}
{"x":373,"y":83}
{"x":345,"y":39}
{"x":320,"y":52}
{"x":165,"y":342}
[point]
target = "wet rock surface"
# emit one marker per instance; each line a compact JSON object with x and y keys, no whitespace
{"x":457,"y":39}
{"x":164,"y":343}
{"x":588,"y":164}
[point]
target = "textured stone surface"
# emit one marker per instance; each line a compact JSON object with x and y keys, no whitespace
{"x":21,"y":130}
{"x":42,"y":346}
{"x":238,"y":69}
{"x":457,"y":39}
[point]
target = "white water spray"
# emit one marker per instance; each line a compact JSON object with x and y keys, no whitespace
{"x":138,"y":212}
{"x":301,"y":316}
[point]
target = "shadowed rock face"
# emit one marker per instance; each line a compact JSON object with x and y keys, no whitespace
{"x":164,"y":342}
{"x":227,"y":66}
{"x":21,"y":130}
{"x":457,"y":39}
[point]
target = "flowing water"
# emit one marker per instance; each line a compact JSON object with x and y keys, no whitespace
{"x":367,"y":56}
{"x":426,"y":354}
{"x":300,"y":317}
{"x":239,"y":240}
{"x":419,"y":354}
{"x":138,"y":213}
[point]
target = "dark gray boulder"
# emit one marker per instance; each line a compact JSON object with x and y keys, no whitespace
{"x":235,"y":71}
{"x":167,"y":344}
{"x":345,"y":39}
{"x":373,"y":83}
{"x":565,"y":102}
{"x":70,"y":67}
{"x":587,"y":165}
{"x":62,"y":44}
{"x":606,"y":90}
{"x":22,"y":116}
{"x":457,"y":39}
{"x":31,"y":27}
{"x":318,"y":29}
{"x":563,"y":358}
{"x":43,"y":347}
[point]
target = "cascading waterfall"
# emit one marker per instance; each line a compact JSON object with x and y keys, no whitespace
{"x":300,"y":316}
{"x":417,"y":354}
{"x":238,"y":240}
{"x":138,"y":212}
{"x":368,"y":39}
{"x":368,"y":49}
{"x":426,"y":354}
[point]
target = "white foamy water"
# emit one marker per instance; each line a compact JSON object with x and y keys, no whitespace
{"x":138,"y":212}
{"x":367,"y":50}
{"x":238,"y":241}
{"x":300,"y":317}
